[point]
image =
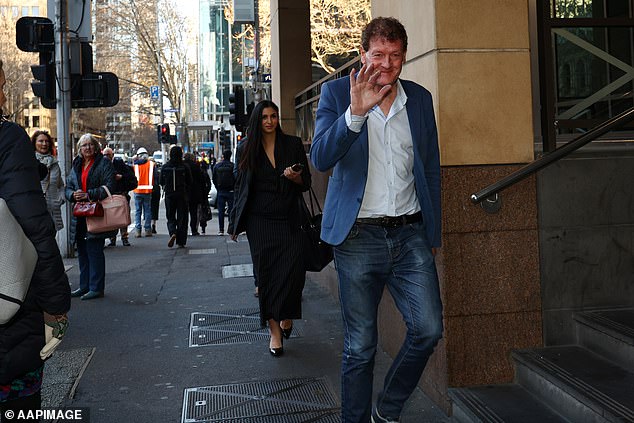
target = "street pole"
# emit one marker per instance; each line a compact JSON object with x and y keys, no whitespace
{"x":256,"y":33}
{"x":63,"y":111}
{"x":160,"y":78}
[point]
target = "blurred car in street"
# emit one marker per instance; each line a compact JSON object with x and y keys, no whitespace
{"x":157,"y":156}
{"x":124,"y":157}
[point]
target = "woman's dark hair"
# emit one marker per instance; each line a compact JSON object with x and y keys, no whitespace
{"x":176,"y":154}
{"x":389,"y":28}
{"x":253,"y":145}
{"x":36,"y":134}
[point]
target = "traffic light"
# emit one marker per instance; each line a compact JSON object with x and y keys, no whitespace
{"x":35,"y":34}
{"x":165,"y":134}
{"x":88,"y":88}
{"x":236,"y":108}
{"x":225,"y":138}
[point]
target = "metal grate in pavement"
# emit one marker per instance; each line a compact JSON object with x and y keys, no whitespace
{"x":203,"y":251}
{"x":230,"y":327}
{"x":237,"y":271}
{"x":296,"y":400}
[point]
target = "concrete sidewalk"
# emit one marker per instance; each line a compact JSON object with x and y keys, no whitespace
{"x":128,"y":357}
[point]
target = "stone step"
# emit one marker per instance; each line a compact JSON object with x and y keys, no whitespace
{"x":500,"y":404}
{"x":609,"y":333}
{"x":577,"y":383}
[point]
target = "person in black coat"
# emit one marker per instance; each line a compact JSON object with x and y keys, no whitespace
{"x":23,"y":338}
{"x":90,"y":171}
{"x":272,"y":174}
{"x":196,"y":191}
{"x":176,"y":180}
{"x":124,"y":182}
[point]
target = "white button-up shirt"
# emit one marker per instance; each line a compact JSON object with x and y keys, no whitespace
{"x":389,"y":190}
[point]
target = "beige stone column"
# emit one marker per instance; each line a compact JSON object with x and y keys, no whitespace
{"x":474,"y":56}
{"x":290,"y":56}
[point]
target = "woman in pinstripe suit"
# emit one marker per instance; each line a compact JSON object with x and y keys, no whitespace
{"x":272,"y":174}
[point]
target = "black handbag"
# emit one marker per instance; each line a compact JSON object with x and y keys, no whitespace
{"x":317,"y":254}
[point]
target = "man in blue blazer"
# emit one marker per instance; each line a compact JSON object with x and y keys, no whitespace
{"x":382,"y":214}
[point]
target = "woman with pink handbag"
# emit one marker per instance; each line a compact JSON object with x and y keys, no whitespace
{"x":90,"y":172}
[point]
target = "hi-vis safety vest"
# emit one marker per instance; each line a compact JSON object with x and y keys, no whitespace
{"x":145,"y":175}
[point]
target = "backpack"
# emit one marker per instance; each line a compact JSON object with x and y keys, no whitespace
{"x":224,"y":179}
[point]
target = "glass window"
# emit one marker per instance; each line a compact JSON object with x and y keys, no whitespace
{"x":15,"y":11}
{"x":25,"y":11}
{"x":35,"y":11}
{"x":4,"y":10}
{"x":26,"y":121}
{"x":35,"y":103}
{"x":567,"y":9}
{"x":36,"y":121}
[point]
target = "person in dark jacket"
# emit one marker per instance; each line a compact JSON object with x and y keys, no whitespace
{"x":196,"y":191}
{"x":176,"y":180}
{"x":90,"y":171}
{"x":23,"y":338}
{"x":124,"y":182}
{"x":272,"y":174}
{"x":204,"y":210}
{"x":156,"y":195}
{"x":224,"y":180}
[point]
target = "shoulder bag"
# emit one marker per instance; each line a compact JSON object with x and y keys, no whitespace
{"x":116,"y":214}
{"x":17,"y":264}
{"x":317,"y":254}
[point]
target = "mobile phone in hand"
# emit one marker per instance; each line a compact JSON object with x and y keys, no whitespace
{"x":297,"y":167}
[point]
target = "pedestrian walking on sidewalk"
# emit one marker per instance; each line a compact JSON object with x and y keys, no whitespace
{"x":90,"y":172}
{"x":224,"y":182}
{"x":382,"y":213}
{"x":267,"y":206}
{"x":156,"y":196}
{"x":145,"y":172}
{"x":176,"y":181}
{"x":35,"y":330}
{"x":197,"y":193}
{"x":53,"y":182}
{"x":124,"y":182}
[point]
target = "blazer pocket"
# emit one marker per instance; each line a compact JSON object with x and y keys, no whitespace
{"x":332,"y":202}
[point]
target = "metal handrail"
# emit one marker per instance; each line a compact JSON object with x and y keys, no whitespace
{"x":563,"y":151}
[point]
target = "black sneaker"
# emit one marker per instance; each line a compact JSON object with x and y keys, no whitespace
{"x":153,"y":229}
{"x":125,"y":242}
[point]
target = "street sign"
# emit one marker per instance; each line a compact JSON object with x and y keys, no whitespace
{"x":266,"y":77}
{"x":171,"y":110}
{"x":154,"y":92}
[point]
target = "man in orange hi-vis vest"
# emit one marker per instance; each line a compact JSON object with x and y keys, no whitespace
{"x":145,"y":174}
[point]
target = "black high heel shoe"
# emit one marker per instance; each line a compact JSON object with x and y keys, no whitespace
{"x":277,"y":352}
{"x":286,"y":333}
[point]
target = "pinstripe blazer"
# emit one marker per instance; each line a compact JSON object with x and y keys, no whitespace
{"x":291,"y":152}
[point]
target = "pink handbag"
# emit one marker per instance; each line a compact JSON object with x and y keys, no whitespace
{"x":116,"y":214}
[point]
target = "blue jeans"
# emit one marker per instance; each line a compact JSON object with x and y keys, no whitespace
{"x":224,"y":198}
{"x":143,"y":203}
{"x":92,"y":262}
{"x":371,"y":258}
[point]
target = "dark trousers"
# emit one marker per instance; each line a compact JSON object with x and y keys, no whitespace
{"x":176,"y":209}
{"x":224,"y":198}
{"x":92,"y":261}
{"x":193,"y":216}
{"x":32,"y":402}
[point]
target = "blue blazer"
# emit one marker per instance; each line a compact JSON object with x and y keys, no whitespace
{"x":335,"y":146}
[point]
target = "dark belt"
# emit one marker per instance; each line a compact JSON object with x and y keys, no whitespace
{"x":391,"y":221}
